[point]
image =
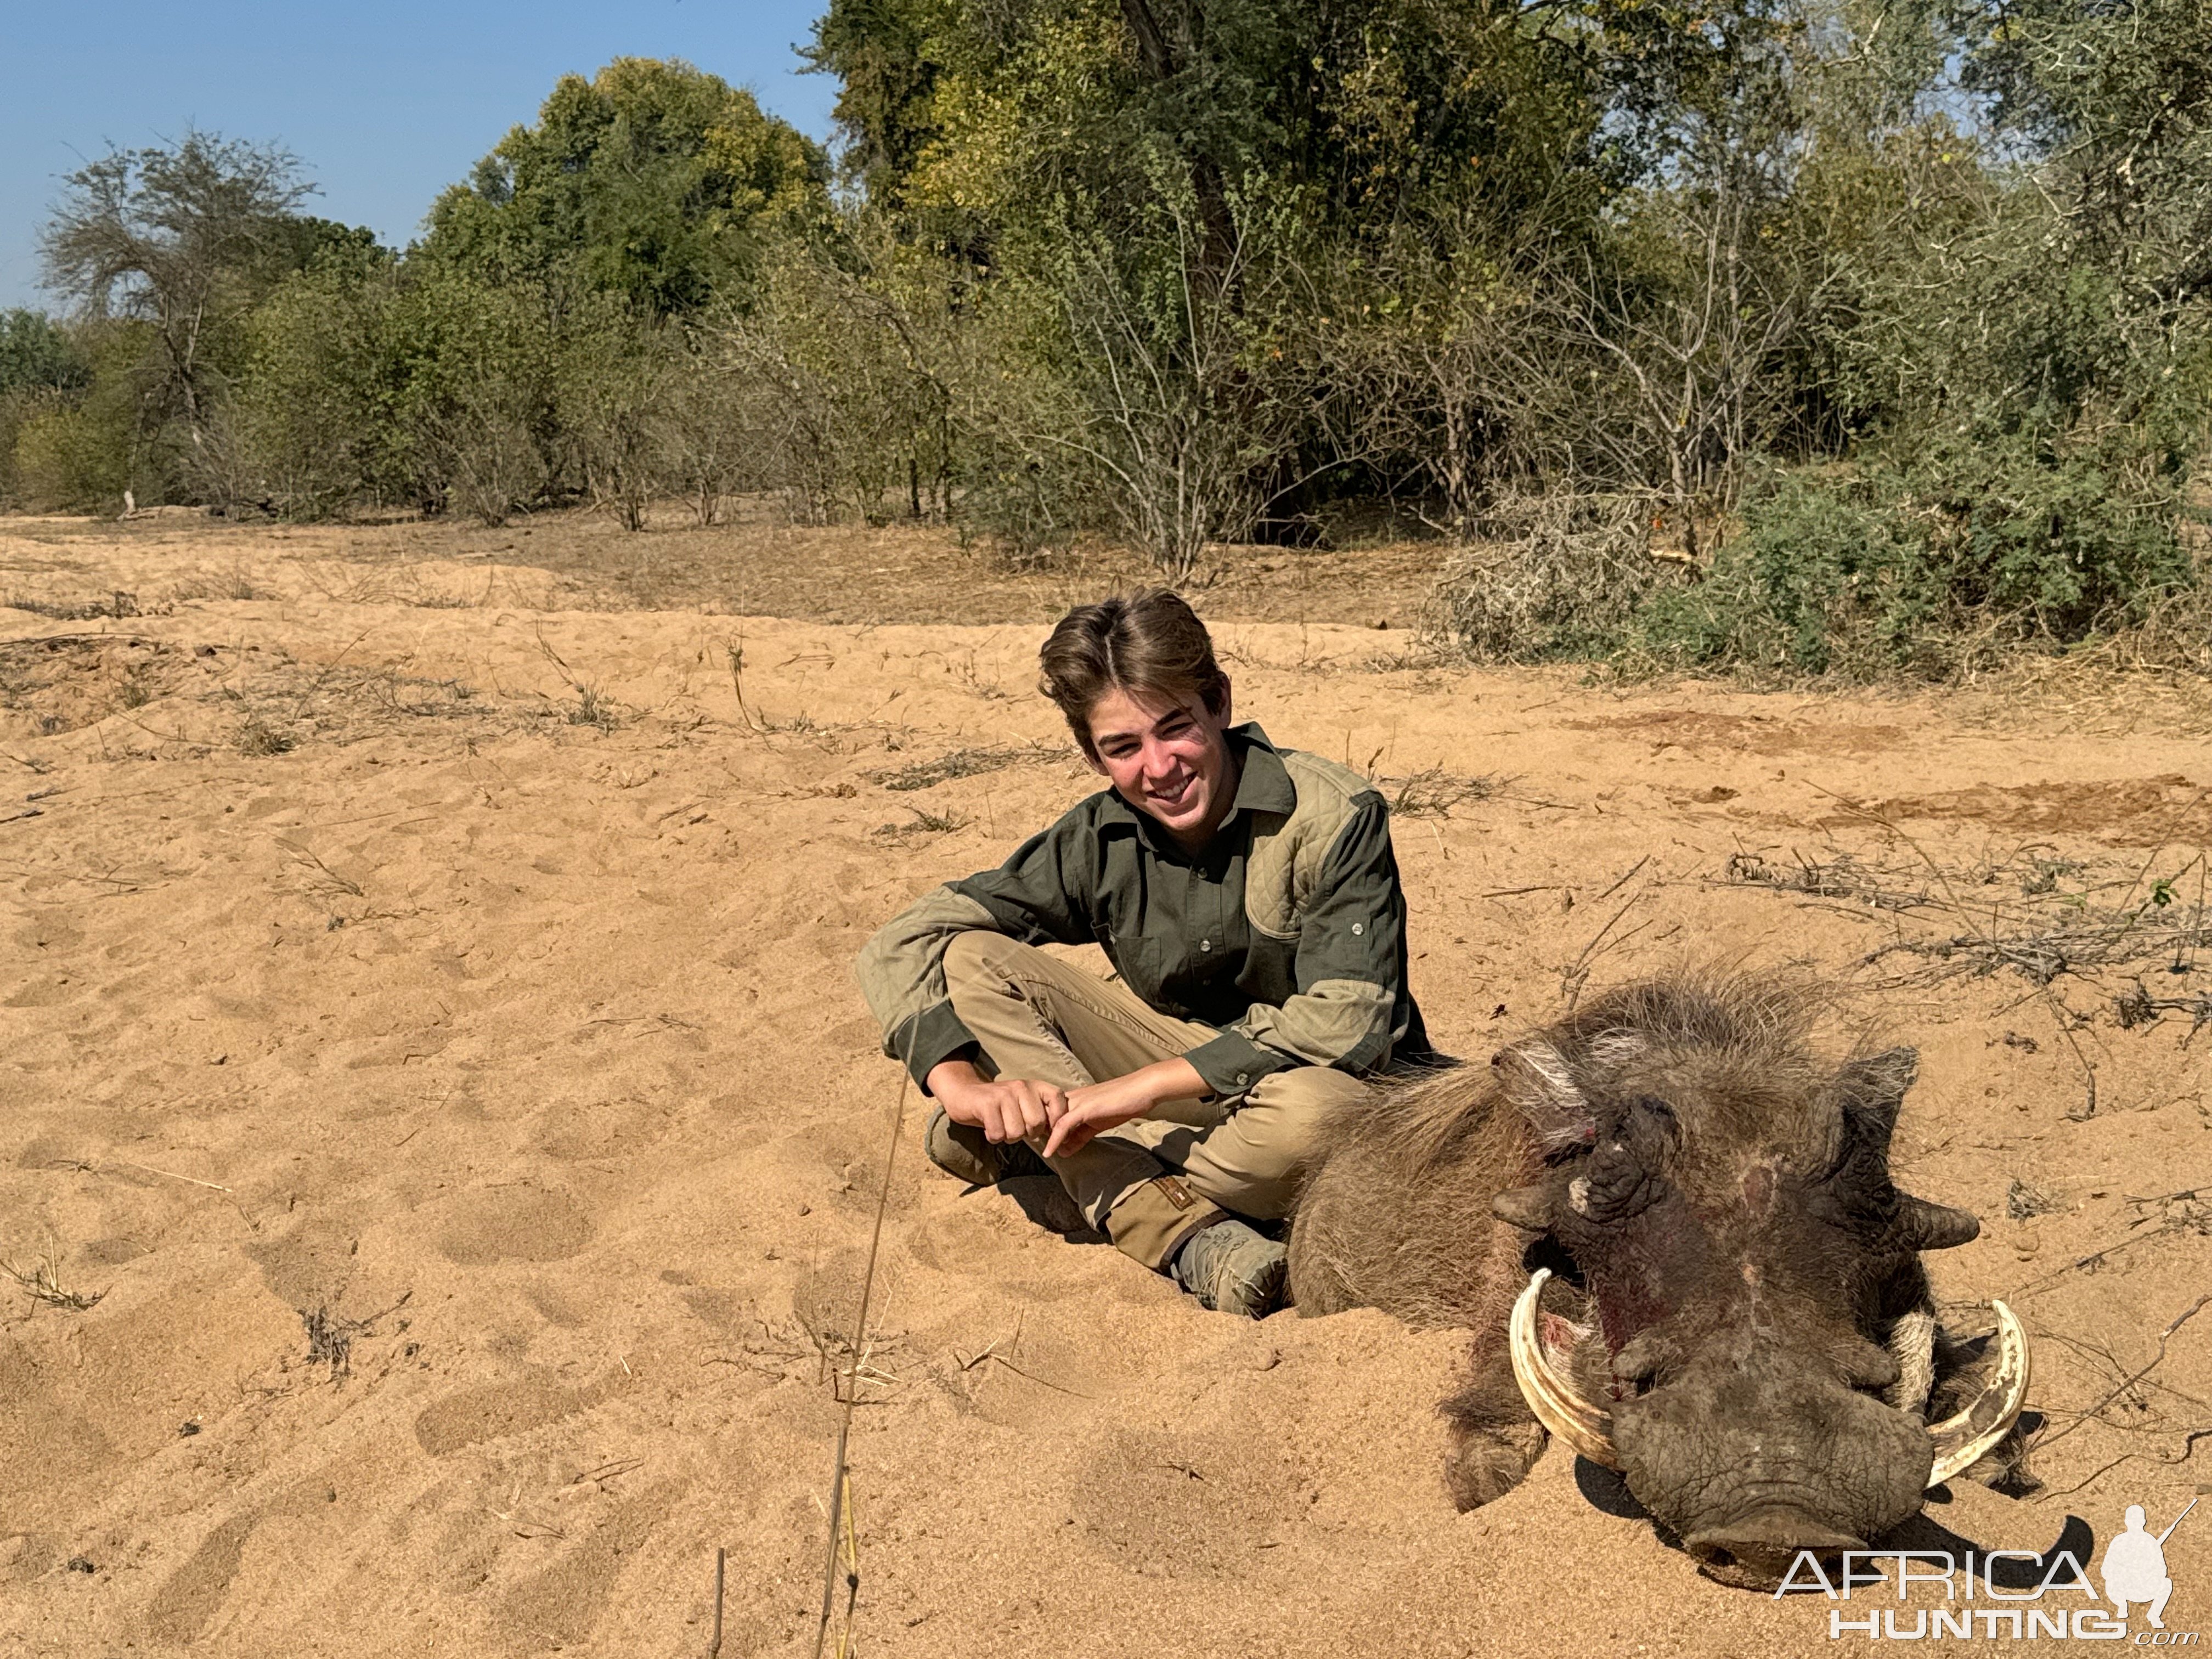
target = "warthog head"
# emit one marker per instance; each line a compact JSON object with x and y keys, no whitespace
{"x":1756,"y":1347}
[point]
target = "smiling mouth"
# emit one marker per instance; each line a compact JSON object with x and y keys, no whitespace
{"x":1179,"y":798}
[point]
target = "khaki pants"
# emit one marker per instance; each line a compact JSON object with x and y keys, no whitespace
{"x":1150,"y":1184}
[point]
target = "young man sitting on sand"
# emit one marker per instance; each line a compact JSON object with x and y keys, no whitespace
{"x":1249,"y":900}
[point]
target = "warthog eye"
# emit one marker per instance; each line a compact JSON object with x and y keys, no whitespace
{"x":1656,"y":1108}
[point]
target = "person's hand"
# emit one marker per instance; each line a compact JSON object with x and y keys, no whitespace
{"x":1010,"y":1109}
{"x":1097,"y":1107}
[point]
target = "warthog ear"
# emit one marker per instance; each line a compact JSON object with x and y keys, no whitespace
{"x":1527,"y":1207}
{"x":1538,"y":1080}
{"x":1873,"y":1089}
{"x":1921,"y":1225}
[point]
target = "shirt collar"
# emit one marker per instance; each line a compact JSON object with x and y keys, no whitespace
{"x":1263,"y":785}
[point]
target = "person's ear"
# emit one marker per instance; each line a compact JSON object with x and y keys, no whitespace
{"x":1227,"y":706}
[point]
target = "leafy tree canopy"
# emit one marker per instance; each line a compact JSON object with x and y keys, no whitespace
{"x":156,"y":231}
{"x":187,"y":238}
{"x":1378,"y":117}
{"x":652,"y":179}
{"x":37,"y":357}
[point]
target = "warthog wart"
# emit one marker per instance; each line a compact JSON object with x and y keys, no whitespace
{"x":1673,"y":1229}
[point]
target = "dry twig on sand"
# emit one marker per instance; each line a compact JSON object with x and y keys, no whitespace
{"x":331,"y":1336}
{"x":2189,"y":1210}
{"x":2132,"y":1379}
{"x":1576,"y":974}
{"x":2030,"y":912}
{"x":753,"y":722}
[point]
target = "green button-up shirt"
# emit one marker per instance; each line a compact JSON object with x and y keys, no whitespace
{"x":1287,"y":932}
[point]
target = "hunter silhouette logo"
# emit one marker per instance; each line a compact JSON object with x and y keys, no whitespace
{"x":2134,"y":1566}
{"x":1997,"y":1594}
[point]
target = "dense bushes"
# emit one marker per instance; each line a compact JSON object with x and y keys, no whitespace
{"x":1778,"y":333}
{"x":1924,"y":568}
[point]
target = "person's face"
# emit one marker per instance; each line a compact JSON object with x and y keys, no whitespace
{"x":1167,"y":759}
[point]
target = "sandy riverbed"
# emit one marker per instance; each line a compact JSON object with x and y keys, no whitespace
{"x":473,"y":978}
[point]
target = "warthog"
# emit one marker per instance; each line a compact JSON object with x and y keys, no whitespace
{"x":1674,"y":1231}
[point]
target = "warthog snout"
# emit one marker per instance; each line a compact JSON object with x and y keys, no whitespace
{"x":1752,"y":1445}
{"x":1751,"y":1465}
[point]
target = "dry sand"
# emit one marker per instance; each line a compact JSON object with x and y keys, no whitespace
{"x":468,"y":981}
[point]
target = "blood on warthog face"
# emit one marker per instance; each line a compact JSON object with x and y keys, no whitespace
{"x":1757,"y":1359}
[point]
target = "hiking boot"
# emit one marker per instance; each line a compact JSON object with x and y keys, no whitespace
{"x":1231,"y":1267}
{"x":961,"y":1150}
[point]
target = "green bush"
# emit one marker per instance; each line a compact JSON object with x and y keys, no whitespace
{"x":72,"y":460}
{"x":313,"y":415}
{"x":1884,"y":569}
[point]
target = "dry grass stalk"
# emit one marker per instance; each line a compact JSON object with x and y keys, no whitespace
{"x":924,"y":824}
{"x":1433,"y":793}
{"x":257,"y":737}
{"x":844,"y":1540}
{"x":212,"y":1186}
{"x":318,"y":877}
{"x":593,"y":707}
{"x":714,"y":1641}
{"x":41,"y":1281}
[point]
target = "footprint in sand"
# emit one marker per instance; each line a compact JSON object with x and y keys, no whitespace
{"x":493,"y":1412}
{"x":516,"y":1223}
{"x":191,"y":1595}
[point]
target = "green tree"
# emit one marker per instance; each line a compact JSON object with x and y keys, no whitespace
{"x":652,"y":179}
{"x":185,"y":238}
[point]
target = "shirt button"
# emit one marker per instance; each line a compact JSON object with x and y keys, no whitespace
{"x":1242,"y":1080}
{"x":1206,"y":945}
{"x":1358,"y":927}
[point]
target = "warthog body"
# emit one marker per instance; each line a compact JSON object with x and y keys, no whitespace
{"x":1739,"y":1283}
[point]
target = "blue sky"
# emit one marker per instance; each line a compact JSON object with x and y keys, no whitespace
{"x":384,"y":104}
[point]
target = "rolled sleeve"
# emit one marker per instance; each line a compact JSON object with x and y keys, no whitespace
{"x":927,"y":1040}
{"x":1040,"y":894}
{"x":1231,"y":1062}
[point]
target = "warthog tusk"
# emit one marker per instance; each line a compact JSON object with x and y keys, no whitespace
{"x":1989,"y":1417}
{"x":1557,"y":1406}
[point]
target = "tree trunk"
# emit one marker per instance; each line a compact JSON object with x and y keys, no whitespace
{"x":1158,"y":56}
